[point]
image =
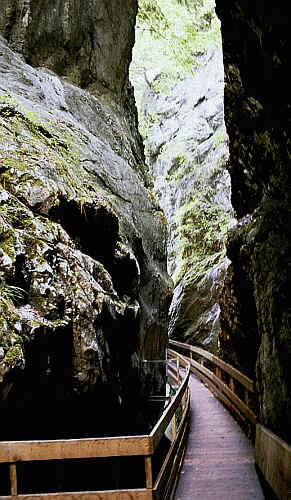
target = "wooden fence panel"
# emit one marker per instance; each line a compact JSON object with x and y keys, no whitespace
{"x":167,"y":475}
{"x":162,"y":424}
{"x":273,"y":457}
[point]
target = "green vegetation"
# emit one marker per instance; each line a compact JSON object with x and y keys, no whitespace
{"x":221,"y":137}
{"x":14,"y":293}
{"x":12,"y":214}
{"x":13,"y":355}
{"x":172,"y":31}
{"x":39,"y":146}
{"x":10,"y":341}
{"x":202,"y":233}
{"x":39,"y":158}
{"x":150,"y":15}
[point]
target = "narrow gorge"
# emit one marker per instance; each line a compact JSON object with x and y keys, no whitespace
{"x":144,"y":194}
{"x":181,"y":112}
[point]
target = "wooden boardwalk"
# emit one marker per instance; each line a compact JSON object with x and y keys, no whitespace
{"x":219,"y":461}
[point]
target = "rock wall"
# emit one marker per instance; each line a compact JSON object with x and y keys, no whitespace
{"x":187,"y":149}
{"x":255,"y":303}
{"x":84,"y":288}
{"x":182,"y":119}
{"x":75,"y":42}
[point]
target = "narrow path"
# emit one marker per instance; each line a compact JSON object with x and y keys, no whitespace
{"x":219,"y":461}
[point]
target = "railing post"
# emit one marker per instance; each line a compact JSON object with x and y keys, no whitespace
{"x":184,"y":399}
{"x":13,"y":480}
{"x":246,"y":397}
{"x":218,"y":372}
{"x":231,"y":384}
{"x":149,"y":472}
{"x":178,"y":370}
{"x":174,"y":427}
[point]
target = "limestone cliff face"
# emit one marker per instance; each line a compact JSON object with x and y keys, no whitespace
{"x":186,"y":146}
{"x":256,"y":300}
{"x":86,"y":43}
{"x":73,"y":38}
{"x":84,"y":288}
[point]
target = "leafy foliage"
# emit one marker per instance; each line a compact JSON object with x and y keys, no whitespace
{"x":168,"y":35}
{"x":9,"y":292}
{"x":151,"y":16}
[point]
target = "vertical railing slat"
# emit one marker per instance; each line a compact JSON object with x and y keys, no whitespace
{"x":246,"y":397}
{"x":13,"y":480}
{"x":149,"y":472}
{"x":231,"y":384}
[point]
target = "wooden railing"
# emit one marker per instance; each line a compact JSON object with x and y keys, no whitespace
{"x":272,"y":454}
{"x":146,"y":445}
{"x":273,"y":457}
{"x":228,"y":393}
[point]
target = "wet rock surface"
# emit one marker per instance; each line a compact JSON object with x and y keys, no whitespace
{"x":257,"y":106}
{"x":84,"y":287}
{"x":74,"y":42}
{"x":187,"y":148}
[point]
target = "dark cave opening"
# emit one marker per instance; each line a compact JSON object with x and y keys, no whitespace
{"x":42,"y":405}
{"x":18,"y":280}
{"x":45,"y":401}
{"x":40,"y":391}
{"x":95,"y":232}
{"x":125,"y":276}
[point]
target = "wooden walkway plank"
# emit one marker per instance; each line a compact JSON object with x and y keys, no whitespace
{"x":219,"y":461}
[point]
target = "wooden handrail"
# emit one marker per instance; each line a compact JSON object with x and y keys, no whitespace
{"x":273,"y":455}
{"x":160,"y":427}
{"x":12,"y":452}
{"x":239,"y":404}
{"x":226,"y":393}
{"x":138,"y":494}
{"x":233,"y":372}
{"x":163,"y":484}
{"x":29,"y":451}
